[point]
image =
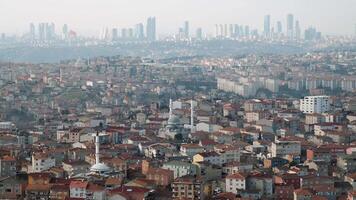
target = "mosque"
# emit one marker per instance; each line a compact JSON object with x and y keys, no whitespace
{"x":175,"y":128}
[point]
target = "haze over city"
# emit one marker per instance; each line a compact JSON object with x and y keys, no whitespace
{"x":87,"y":17}
{"x":178,"y":100}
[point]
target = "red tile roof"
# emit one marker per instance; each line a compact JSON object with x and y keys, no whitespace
{"x":78,"y":184}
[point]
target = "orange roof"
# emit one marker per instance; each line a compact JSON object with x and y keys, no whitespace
{"x":235,"y":176}
{"x":78,"y":184}
{"x":94,"y":187}
{"x":8,"y":158}
{"x":160,"y":171}
{"x":303,"y":192}
{"x":38,"y":187}
{"x":113,"y":181}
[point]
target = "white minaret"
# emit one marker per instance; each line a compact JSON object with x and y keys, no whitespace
{"x":99,"y":168}
{"x":192,"y":128}
{"x":97,"y":154}
{"x":170,"y":108}
{"x":60,"y":75}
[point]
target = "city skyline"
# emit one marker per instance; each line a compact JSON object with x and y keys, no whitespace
{"x":79,"y":14}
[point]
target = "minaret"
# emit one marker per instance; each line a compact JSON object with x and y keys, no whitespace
{"x":97,"y":160}
{"x":99,"y":168}
{"x":60,"y":75}
{"x":170,"y":108}
{"x":192,"y":128}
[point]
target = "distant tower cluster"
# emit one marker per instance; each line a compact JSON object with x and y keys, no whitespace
{"x":184,"y":32}
{"x":233,"y":31}
{"x":45,"y":32}
{"x":137,"y":32}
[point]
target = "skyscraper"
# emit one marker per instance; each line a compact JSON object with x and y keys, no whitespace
{"x":186,"y":29}
{"x":124,"y":33}
{"x":242,"y":32}
{"x":114,"y":34}
{"x":199,"y":34}
{"x":65,"y":31}
{"x":237,"y":31}
{"x":139,"y":32}
{"x":130,"y":32}
{"x":290,"y":26}
{"x":221,"y":28}
{"x":247,"y":31}
{"x":225,"y":30}
{"x":231,"y":30}
{"x":279,"y":27}
{"x":151,"y":28}
{"x":32,"y":31}
{"x":267,"y":26}
{"x":297,"y":30}
{"x":41,"y":31}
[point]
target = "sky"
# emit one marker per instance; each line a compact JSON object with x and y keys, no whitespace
{"x":88,"y":17}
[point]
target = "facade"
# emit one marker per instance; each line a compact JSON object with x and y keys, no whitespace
{"x":42,"y":162}
{"x":315,"y":104}
{"x":162,"y":177}
{"x":181,"y":168}
{"x":211,"y":157}
{"x":7,"y":166}
{"x":235,"y":182}
{"x":285,"y":148}
{"x":191,"y":149}
{"x":187,"y":187}
{"x":78,"y":189}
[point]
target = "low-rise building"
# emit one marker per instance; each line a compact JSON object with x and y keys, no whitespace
{"x":187,"y":187}
{"x":235,"y":182}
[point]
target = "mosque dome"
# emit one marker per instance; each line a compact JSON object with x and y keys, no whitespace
{"x":100,"y":168}
{"x":173,"y":121}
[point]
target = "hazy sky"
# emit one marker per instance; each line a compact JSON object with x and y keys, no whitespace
{"x":90,"y":16}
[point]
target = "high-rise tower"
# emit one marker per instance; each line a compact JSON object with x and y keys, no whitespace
{"x":151,"y":28}
{"x":267,"y":26}
{"x":290,"y":26}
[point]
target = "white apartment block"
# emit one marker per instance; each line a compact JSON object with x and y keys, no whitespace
{"x":42,"y":162}
{"x":235,"y":182}
{"x":315,"y":104}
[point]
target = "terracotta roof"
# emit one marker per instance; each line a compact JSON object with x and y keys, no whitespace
{"x":209,"y":154}
{"x":207,"y":142}
{"x":113,"y":181}
{"x":303,"y":192}
{"x":127,"y":190}
{"x":78,"y":184}
{"x":8,"y":158}
{"x":314,"y":197}
{"x":94,"y":187}
{"x":160,"y":171}
{"x":38,"y":187}
{"x":235,"y":176}
{"x":40,"y":175}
